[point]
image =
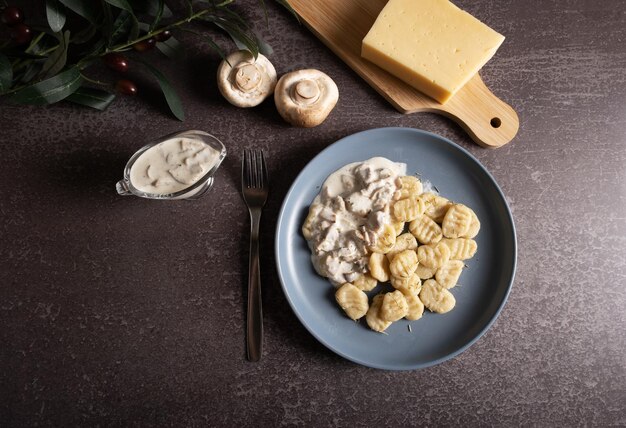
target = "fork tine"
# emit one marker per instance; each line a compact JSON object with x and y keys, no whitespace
{"x":247,"y":168}
{"x":264,"y":180}
{"x":244,"y":169}
{"x":255,"y":169}
{"x":259,"y":169}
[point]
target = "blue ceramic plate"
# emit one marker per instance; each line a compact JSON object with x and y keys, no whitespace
{"x":483,"y":287}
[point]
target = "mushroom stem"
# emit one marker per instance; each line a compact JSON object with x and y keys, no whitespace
{"x":306,"y":92}
{"x":247,"y":77}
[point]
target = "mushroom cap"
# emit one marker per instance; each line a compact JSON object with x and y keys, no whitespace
{"x":244,"y":81}
{"x":305,"y":97}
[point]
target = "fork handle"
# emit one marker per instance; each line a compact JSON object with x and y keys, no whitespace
{"x":254,"y":331}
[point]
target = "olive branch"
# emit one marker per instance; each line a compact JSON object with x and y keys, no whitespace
{"x":44,"y":65}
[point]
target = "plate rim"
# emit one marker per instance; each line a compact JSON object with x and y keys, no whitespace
{"x":417,"y":366}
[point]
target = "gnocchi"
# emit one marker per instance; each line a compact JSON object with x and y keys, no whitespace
{"x":365,"y":282}
{"x":372,"y":317}
{"x":403,"y":264}
{"x":394,"y":306}
{"x":436,"y":298}
{"x":457,"y":221}
{"x":474,"y":227}
{"x":437,"y":207}
{"x":425,"y":272}
{"x":352,"y":300}
{"x":385,"y":229}
{"x":409,"y":187}
{"x":415,"y":306}
{"x":408,"y":209}
{"x":426,"y":230}
{"x":433,"y":256}
{"x":406,"y":241}
{"x":379,"y":267}
{"x":399,"y":227}
{"x":412,"y":284}
{"x":385,"y":240}
{"x":460,"y":248}
{"x":448,"y":274}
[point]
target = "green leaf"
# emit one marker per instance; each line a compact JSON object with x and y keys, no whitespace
{"x":158,"y":16}
{"x":91,"y":97}
{"x":171,"y":48}
{"x":88,"y":9}
{"x":121,"y":27}
{"x":14,"y":53}
{"x":84,"y":35}
{"x":239,"y":36}
{"x":56,"y":15}
{"x":121,"y":4}
{"x":50,"y":90}
{"x":30,"y":72}
{"x":58,"y":58}
{"x":6,"y":73}
{"x":264,"y":47}
{"x":151,"y":7}
{"x":173,"y":101}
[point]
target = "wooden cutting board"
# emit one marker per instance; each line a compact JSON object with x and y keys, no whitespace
{"x":342,"y":24}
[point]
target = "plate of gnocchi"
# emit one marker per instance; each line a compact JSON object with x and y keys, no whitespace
{"x":396,"y":248}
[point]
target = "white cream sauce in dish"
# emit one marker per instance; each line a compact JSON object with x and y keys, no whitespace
{"x":344,"y":219}
{"x":172,"y":165}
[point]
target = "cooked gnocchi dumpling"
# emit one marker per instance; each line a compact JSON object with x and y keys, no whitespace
{"x":408,"y":209}
{"x":372,"y":317}
{"x":399,"y":227}
{"x":448,"y":274}
{"x":379,"y":267}
{"x":433,"y":255}
{"x":474,"y":227}
{"x":385,"y":240}
{"x":352,"y":300}
{"x":403,"y":264}
{"x":408,"y":187}
{"x":426,"y":230}
{"x":437,"y":207}
{"x":412,"y":284}
{"x":457,"y":221}
{"x":415,"y":306}
{"x":436,"y":298}
{"x":406,"y":241}
{"x":460,"y":248}
{"x":394,"y":306}
{"x":365,"y":282}
{"x":425,"y":272}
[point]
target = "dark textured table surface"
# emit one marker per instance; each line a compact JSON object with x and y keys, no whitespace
{"x":123,"y":311}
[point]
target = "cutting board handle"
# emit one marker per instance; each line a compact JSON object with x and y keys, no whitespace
{"x":489,"y":121}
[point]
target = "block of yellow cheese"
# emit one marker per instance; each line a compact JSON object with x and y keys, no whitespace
{"x":430,"y":44}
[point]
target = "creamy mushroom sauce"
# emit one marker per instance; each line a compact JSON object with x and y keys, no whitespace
{"x":351,"y":208}
{"x":172,"y":165}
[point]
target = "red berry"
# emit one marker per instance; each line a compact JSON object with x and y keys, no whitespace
{"x":116,"y":62}
{"x":163,"y":36}
{"x":12,"y":15}
{"x":21,"y":34}
{"x":145,"y":45}
{"x":126,"y":87}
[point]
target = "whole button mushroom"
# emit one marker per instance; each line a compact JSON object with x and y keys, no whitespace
{"x":306,"y":97}
{"x":244,"y":81}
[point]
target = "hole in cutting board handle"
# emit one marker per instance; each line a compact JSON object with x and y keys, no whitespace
{"x":496,"y":122}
